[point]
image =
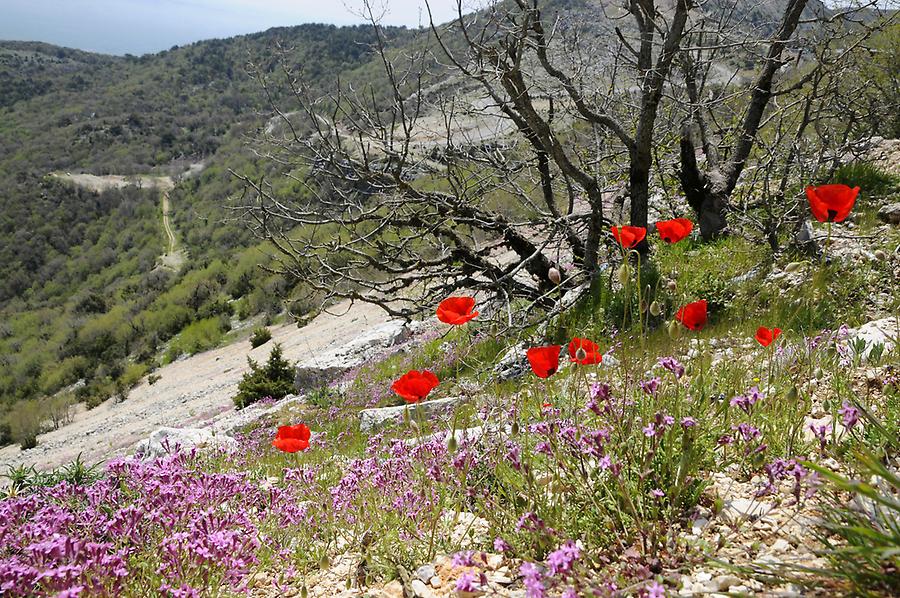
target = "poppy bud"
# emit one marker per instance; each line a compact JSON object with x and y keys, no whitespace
{"x":792,"y":394}
{"x":554,"y":276}
{"x":623,"y":274}
{"x":406,"y":419}
{"x":304,"y":592}
{"x":349,"y":584}
{"x":689,"y":370}
{"x":644,"y":307}
{"x":880,"y":255}
{"x":514,"y":430}
{"x":793,"y":266}
{"x":672,"y":286}
{"x":818,"y":373}
{"x":674,"y":330}
{"x":580,"y":354}
{"x":655,"y":309}
{"x":324,"y":562}
{"x":452,"y":444}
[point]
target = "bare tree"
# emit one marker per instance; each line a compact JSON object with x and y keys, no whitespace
{"x":798,"y":68}
{"x":491,"y":156}
{"x":502,"y":145}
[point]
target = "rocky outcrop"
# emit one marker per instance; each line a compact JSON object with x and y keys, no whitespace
{"x":890,"y":213}
{"x":319,"y":370}
{"x":866,"y":338}
{"x":372,"y":419}
{"x":234,"y":421}
{"x":166,"y":440}
{"x":885,"y":154}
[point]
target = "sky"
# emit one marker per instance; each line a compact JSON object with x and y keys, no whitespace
{"x":142,"y":26}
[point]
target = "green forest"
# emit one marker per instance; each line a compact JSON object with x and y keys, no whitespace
{"x":86,"y":308}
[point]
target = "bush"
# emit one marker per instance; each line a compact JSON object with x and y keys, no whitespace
{"x":275,"y":379}
{"x":25,"y":423}
{"x":199,"y":336}
{"x":59,"y":408}
{"x":132,"y":375}
{"x":873,"y":181}
{"x":5,"y":434}
{"x":260,"y":337}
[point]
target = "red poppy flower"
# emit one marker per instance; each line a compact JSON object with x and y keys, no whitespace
{"x":414,"y":386}
{"x":629,"y":236}
{"x":547,"y":405}
{"x":291,"y":439}
{"x":672,"y":231}
{"x":766,"y":336}
{"x":592,"y":354}
{"x":544,"y":360}
{"x":456,"y":310}
{"x":693,"y":315}
{"x":831,"y":203}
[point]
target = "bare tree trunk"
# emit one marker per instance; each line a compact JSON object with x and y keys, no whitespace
{"x":708,"y":192}
{"x":702,"y":195}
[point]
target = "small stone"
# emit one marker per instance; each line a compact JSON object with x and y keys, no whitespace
{"x":726,"y":581}
{"x":890,"y":213}
{"x":780,"y":545}
{"x":420,"y":589}
{"x":393,"y":589}
{"x":699,"y":525}
{"x":494,"y":561}
{"x":746,"y":508}
{"x":425,"y":573}
{"x":703,"y":576}
{"x":436,"y":582}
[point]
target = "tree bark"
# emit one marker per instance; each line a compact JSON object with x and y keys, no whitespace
{"x":703,"y":190}
{"x":708,"y":192}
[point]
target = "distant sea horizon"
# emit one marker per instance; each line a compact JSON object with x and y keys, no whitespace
{"x":137,"y":27}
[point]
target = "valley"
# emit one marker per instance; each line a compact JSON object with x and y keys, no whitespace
{"x":192,"y":392}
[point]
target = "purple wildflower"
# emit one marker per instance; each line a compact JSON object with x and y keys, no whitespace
{"x":654,"y":590}
{"x":650,"y":386}
{"x":747,"y":432}
{"x":600,"y":391}
{"x":513,"y":455}
{"x":531,"y":579}
{"x":463,"y":559}
{"x":561,"y":560}
{"x":466,"y":582}
{"x":673,"y":365}
{"x":819,"y":432}
{"x":501,"y":545}
{"x":849,"y":415}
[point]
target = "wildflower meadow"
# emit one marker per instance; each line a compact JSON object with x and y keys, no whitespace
{"x":679,"y":430}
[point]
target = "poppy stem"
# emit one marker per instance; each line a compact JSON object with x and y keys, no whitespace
{"x":640,"y":306}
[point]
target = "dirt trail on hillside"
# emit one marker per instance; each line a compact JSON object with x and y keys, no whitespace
{"x":173,"y":258}
{"x":192,"y":392}
{"x":166,"y":225}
